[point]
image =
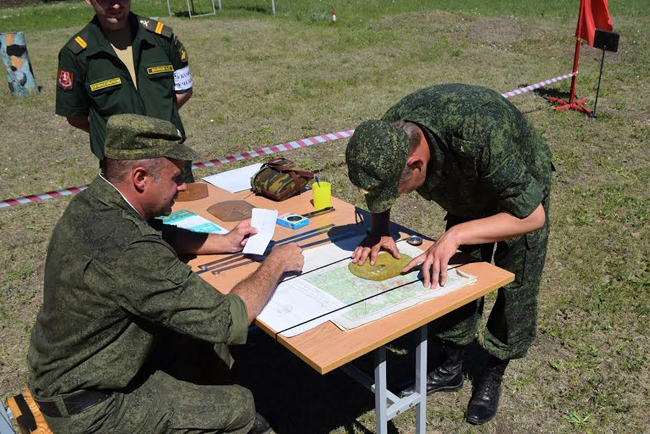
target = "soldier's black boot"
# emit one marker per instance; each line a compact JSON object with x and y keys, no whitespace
{"x":484,"y":403}
{"x":448,"y":376}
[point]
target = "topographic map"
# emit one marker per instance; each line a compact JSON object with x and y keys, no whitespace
{"x":380,"y":298}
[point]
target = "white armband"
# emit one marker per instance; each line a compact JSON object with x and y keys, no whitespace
{"x":182,"y":79}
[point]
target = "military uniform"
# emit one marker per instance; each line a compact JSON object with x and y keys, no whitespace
{"x":486,"y":158}
{"x":92,"y":81}
{"x":119,"y":312}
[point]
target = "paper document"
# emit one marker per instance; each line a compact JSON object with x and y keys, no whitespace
{"x":320,"y":291}
{"x":293,"y":304}
{"x":264,"y":221}
{"x":234,"y":180}
{"x":188,"y":220}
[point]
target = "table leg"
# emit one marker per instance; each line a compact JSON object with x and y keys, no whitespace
{"x":421,"y":380}
{"x":387,"y":404}
{"x":380,"y":391}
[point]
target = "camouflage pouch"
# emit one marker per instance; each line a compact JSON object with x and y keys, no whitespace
{"x":278,"y":180}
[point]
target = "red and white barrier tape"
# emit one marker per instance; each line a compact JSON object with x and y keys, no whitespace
{"x":227,"y":159}
{"x":42,"y":196}
{"x":536,"y":85}
{"x":259,"y":152}
{"x":274,"y":149}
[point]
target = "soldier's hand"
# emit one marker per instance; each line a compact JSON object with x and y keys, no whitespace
{"x":289,"y":256}
{"x":435,"y":260}
{"x":370,"y":247}
{"x":236,"y":239}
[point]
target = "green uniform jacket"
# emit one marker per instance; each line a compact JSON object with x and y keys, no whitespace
{"x":113,"y":286}
{"x":487,"y":158}
{"x":92,"y":81}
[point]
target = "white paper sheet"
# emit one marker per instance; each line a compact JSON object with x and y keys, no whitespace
{"x":294,"y":303}
{"x":234,"y":180}
{"x":264,"y":221}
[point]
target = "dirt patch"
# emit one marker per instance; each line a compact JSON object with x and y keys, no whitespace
{"x":497,"y":31}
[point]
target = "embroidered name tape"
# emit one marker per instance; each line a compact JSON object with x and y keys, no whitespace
{"x":106,"y":83}
{"x":152,"y":70}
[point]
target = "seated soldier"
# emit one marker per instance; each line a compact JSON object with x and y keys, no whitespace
{"x":119,"y":345}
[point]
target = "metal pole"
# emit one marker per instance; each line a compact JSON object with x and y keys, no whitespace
{"x":576,"y":55}
{"x":380,"y":391}
{"x":602,"y":62}
{"x":421,"y":380}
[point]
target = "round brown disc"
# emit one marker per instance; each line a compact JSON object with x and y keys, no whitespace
{"x":385,"y":267}
{"x":231,"y":210}
{"x":194,"y":191}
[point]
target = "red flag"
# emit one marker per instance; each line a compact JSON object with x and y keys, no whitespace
{"x":593,"y":15}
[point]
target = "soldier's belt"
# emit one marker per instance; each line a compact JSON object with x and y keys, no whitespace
{"x":74,"y":404}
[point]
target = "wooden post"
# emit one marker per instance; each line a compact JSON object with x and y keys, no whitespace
{"x":15,"y":59}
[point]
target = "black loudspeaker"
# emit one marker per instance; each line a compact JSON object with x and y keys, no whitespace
{"x":605,"y":40}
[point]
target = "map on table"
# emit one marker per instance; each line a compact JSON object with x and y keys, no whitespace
{"x":192,"y":222}
{"x":327,"y":286}
{"x":380,"y":298}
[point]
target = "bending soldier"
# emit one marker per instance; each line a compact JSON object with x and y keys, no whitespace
{"x":472,"y":152}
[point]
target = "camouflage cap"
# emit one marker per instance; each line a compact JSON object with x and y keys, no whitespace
{"x":376,"y":156}
{"x":136,"y":137}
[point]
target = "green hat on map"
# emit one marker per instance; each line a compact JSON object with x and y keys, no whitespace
{"x":136,"y":137}
{"x":376,"y":156}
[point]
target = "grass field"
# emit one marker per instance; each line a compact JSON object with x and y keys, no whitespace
{"x":262,"y":80}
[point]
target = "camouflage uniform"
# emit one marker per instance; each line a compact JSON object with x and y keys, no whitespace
{"x":92,"y":81}
{"x":486,"y":158}
{"x":122,"y":313}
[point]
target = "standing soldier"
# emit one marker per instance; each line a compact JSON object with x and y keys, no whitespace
{"x":122,"y":63}
{"x":472,"y":152}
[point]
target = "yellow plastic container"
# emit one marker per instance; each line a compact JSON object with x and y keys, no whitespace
{"x":322,"y":194}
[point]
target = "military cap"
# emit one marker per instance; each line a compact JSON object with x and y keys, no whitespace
{"x":376,"y":156}
{"x":136,"y":137}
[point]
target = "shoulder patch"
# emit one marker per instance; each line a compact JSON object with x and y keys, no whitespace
{"x":65,"y":79}
{"x":77,"y":44}
{"x":183,"y":53}
{"x":156,"y":27}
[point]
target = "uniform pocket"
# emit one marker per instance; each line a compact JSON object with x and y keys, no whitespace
{"x":108,"y":94}
{"x":159,"y":81}
{"x":465,"y":157}
{"x":178,"y":273}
